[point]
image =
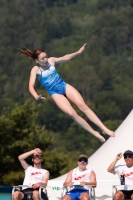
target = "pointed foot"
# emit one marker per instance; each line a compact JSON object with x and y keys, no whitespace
{"x":101,"y":138}
{"x":108,"y":132}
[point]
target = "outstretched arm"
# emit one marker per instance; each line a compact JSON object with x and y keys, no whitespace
{"x":112,"y":165}
{"x":67,"y":57}
{"x":32,"y":83}
{"x":23,"y":156}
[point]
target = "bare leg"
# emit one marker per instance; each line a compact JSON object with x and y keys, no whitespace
{"x":66,"y":197}
{"x":18,"y":195}
{"x":74,"y":96}
{"x":35,"y":195}
{"x":119,"y":196}
{"x":84,"y":196}
{"x":63,"y":103}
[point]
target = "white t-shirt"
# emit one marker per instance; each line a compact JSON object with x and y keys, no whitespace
{"x":128,"y":173}
{"x":79,"y":176}
{"x":34,"y":175}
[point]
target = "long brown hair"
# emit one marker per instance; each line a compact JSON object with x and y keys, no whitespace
{"x":33,"y":55}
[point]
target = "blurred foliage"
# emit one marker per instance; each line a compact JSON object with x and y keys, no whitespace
{"x":19,"y":133}
{"x":102,"y":74}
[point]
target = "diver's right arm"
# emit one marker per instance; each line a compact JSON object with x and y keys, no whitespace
{"x":32,"y":83}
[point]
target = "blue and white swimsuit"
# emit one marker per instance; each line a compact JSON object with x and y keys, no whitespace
{"x":51,"y":80}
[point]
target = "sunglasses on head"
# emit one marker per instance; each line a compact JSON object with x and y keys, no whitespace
{"x":83,"y":160}
{"x":37,"y":156}
{"x":128,"y":156}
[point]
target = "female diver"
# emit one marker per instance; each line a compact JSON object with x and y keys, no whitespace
{"x":60,"y":91}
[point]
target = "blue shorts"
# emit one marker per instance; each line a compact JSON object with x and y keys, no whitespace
{"x":75,"y":193}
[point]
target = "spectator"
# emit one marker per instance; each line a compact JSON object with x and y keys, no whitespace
{"x":80,"y":177}
{"x":127,"y":170}
{"x":35,"y":176}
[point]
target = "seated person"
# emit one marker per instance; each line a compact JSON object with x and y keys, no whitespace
{"x":80,"y":177}
{"x":35,"y":176}
{"x":127,"y":169}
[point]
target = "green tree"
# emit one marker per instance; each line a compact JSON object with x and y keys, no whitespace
{"x":20,"y":133}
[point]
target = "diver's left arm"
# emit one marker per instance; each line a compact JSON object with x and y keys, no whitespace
{"x":67,"y":57}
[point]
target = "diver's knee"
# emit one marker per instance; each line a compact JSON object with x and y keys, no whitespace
{"x":82,"y":106}
{"x":72,"y":114}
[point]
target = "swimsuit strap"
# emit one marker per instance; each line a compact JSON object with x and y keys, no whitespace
{"x":40,"y":69}
{"x":50,"y":65}
{"x":41,"y":72}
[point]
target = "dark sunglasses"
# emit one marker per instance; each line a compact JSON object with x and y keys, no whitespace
{"x":83,"y":160}
{"x":37,"y":156}
{"x":128,"y":156}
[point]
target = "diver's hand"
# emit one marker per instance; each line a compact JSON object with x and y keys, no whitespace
{"x":40,"y":97}
{"x":82,"y":48}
